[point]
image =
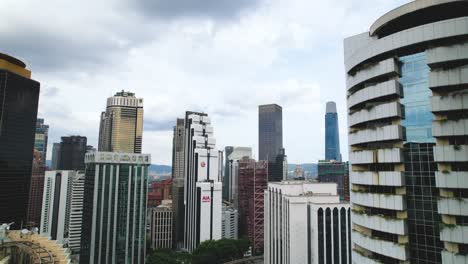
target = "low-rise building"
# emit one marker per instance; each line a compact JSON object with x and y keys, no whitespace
{"x":160,"y":221}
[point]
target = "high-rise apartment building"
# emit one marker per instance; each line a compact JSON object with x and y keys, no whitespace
{"x":114,"y":208}
{"x":270,"y":131}
{"x":72,"y":153}
{"x":332,"y":135}
{"x":55,"y":155}
{"x":306,"y":223}
{"x":231,"y":177}
{"x":160,"y":226}
{"x":337,"y":172}
{"x":19,"y":96}
{"x":253,"y":179}
{"x":56,"y":204}
{"x":406,"y":87}
{"x":230,"y":222}
{"x":76,"y":213}
{"x":202,"y":191}
{"x":37,"y":176}
{"x":121,"y":127}
{"x":178,"y":174}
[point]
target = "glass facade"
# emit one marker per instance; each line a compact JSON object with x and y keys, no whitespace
{"x":421,"y":192}
{"x":18,"y":112}
{"x":332,"y":140}
{"x":270,"y":129}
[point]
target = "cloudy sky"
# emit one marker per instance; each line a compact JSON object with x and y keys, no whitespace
{"x":222,"y":57}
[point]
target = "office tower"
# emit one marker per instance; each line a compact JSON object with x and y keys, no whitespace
{"x":278,"y":169}
{"x":227,"y":170}
{"x":231,"y":180}
{"x":270,"y":131}
{"x":19,"y":96}
{"x":229,"y":222}
{"x":56,"y":204}
{"x":332,"y":135}
{"x":72,"y":153}
{"x":76,"y":213}
{"x":306,"y":223}
{"x":114,"y":208}
{"x":158,"y":192}
{"x":55,"y":155}
{"x":37,"y":176}
{"x":178,"y":165}
{"x":160,"y":224}
{"x":337,"y":172}
{"x":202,"y":191}
{"x":406,"y":88}
{"x":121,"y":127}
{"x":253,"y":177}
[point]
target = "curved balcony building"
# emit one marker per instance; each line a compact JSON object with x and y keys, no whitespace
{"x":407,"y":89}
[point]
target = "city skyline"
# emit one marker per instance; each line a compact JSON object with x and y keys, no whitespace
{"x":283,"y":40}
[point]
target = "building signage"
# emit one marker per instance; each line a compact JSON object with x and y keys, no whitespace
{"x":206,"y":199}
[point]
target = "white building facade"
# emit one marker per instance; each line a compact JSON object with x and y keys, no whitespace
{"x":161,"y":224}
{"x":230,"y":223}
{"x":306,"y":223}
{"x":202,"y":180}
{"x":76,"y":213}
{"x":56,"y":204}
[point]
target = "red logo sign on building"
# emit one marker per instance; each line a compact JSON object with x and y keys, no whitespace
{"x":203,"y":164}
{"x":206,"y":199}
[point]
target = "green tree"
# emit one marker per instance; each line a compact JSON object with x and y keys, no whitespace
{"x":168,"y":256}
{"x":220,"y":251}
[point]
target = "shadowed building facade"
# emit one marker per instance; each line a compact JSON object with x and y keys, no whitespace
{"x":270,"y":131}
{"x":19,"y":96}
{"x":121,"y":127}
{"x":407,"y":82}
{"x":72,"y":153}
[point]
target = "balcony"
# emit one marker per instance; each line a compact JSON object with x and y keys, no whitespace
{"x":382,"y":178}
{"x":452,"y":179}
{"x":390,"y":155}
{"x":451,"y":153}
{"x":453,"y":206}
{"x":452,"y":258}
{"x":377,"y":112}
{"x":456,"y":234}
{"x":385,"y":133}
{"x":449,"y":103}
{"x":450,"y":128}
{"x":450,"y":77}
{"x":386,"y":201}
{"x":363,"y":157}
{"x":447,"y":54}
{"x":379,"y":246}
{"x":358,"y":258}
{"x":379,"y":90}
{"x":388,"y":67}
{"x":380,"y":223}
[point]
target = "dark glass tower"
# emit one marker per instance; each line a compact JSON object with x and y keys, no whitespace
{"x":332,"y":139}
{"x":270,"y":132}
{"x":19,"y":96}
{"x":227,"y":167}
{"x":72,"y":153}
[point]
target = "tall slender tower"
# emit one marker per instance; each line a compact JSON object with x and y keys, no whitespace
{"x":178,"y":169}
{"x":19,"y":96}
{"x":202,"y":192}
{"x":407,"y":81}
{"x":332,"y":138}
{"x":270,"y":131}
{"x":121,"y":127}
{"x":72,"y":153}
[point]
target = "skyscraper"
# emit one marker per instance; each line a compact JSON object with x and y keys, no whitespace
{"x":76,"y":213}
{"x":178,"y":174}
{"x":306,"y":223}
{"x":270,"y":131}
{"x":114,"y":208}
{"x":121,"y":127}
{"x":72,"y":153}
{"x":19,"y":96}
{"x":406,"y":87}
{"x":38,"y":172}
{"x":337,"y":172}
{"x":332,"y":136}
{"x":202,"y":191}
{"x":230,"y":180}
{"x":55,"y":155}
{"x":56,"y":204}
